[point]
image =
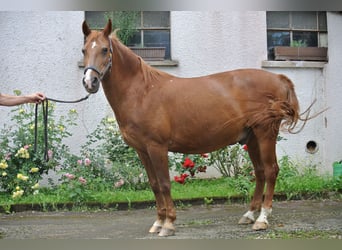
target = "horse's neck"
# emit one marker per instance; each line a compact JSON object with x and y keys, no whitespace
{"x":125,"y":81}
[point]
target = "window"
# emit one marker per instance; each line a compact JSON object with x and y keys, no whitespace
{"x":152,"y":28}
{"x":296,"y":29}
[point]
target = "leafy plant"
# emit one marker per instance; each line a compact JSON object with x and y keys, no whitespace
{"x":126,"y":22}
{"x":298,"y":43}
{"x":231,"y":161}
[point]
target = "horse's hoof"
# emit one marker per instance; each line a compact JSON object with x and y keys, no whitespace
{"x":155,"y":229}
{"x":245,"y":221}
{"x":167,"y":232}
{"x":259,"y":226}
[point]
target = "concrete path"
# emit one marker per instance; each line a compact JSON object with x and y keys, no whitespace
{"x":316,"y":217}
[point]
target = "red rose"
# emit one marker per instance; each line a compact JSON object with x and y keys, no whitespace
{"x":244,"y":147}
{"x":188,"y":163}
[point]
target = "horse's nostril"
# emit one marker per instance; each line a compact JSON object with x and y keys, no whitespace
{"x":94,"y":81}
{"x":84,"y":82}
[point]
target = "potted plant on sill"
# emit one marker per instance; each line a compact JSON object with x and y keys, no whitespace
{"x":125,"y":22}
{"x":299,"y":51}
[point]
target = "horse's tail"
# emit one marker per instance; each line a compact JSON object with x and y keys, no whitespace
{"x":291,"y":110}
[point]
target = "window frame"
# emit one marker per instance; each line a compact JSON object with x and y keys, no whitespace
{"x":141,"y":29}
{"x":318,"y":30}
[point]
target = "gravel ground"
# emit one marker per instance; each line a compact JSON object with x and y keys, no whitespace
{"x":290,"y":219}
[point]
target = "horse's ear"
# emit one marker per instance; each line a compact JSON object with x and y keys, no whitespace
{"x":108,"y":29}
{"x":85,"y":28}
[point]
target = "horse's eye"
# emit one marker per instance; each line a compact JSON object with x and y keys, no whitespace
{"x":104,"y":50}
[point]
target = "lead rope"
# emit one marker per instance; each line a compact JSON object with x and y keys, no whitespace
{"x":45,"y":106}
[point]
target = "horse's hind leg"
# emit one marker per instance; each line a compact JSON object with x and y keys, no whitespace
{"x":267,"y":148}
{"x":255,"y":205}
{"x":271,"y":169}
{"x":261,"y":148}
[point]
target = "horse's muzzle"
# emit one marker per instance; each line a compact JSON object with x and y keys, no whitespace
{"x":92,"y":85}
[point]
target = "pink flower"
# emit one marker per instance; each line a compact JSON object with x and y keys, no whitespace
{"x":205,"y":155}
{"x":244,"y":147}
{"x":82,"y":180}
{"x":69,"y":176}
{"x":87,"y":161}
{"x":50,"y":154}
{"x":26,"y":146}
{"x":8,"y":156}
{"x":119,"y":183}
{"x":79,"y":162}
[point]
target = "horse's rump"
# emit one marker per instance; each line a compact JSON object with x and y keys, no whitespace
{"x":278,"y":112}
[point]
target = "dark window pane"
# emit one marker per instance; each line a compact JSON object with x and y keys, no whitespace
{"x":304,"y":20}
{"x":156,"y":19}
{"x":96,"y":19}
{"x":135,"y":40}
{"x":307,"y":37}
{"x":322,"y":21}
{"x":278,"y":38}
{"x":158,"y":38}
{"x":278,"y":20}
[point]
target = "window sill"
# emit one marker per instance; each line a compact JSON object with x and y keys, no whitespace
{"x":292,"y":64}
{"x":162,"y":63}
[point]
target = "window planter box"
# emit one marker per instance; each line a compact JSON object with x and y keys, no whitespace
{"x":150,"y":53}
{"x":282,"y":53}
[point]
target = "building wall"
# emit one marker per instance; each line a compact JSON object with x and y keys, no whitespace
{"x":41,"y":50}
{"x":333,"y":86}
{"x":210,"y":42}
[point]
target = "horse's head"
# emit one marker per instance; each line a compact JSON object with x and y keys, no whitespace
{"x":97,"y":52}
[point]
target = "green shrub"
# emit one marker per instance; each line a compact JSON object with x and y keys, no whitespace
{"x":20,"y":167}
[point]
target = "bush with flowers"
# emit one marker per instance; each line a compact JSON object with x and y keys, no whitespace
{"x":105,"y":147}
{"x":20,"y":167}
{"x":188,"y":165}
{"x":232,"y":161}
{"x":80,"y":177}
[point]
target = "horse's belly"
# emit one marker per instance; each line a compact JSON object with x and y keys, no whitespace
{"x":207,"y":141}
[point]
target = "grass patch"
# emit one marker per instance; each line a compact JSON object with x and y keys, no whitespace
{"x":201,"y":189}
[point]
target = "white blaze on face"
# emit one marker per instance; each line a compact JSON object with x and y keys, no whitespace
{"x":87,"y":77}
{"x":93,"y":44}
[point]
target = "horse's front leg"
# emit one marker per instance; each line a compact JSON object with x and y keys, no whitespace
{"x":161,"y":208}
{"x":155,"y":161}
{"x":159,"y":160}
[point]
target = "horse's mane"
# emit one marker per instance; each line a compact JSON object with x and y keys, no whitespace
{"x":150,"y":73}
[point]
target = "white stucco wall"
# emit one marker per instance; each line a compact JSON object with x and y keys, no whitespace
{"x":40,"y":52}
{"x":333,"y":85}
{"x":210,"y":42}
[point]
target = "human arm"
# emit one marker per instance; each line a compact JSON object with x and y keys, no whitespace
{"x":12,"y":100}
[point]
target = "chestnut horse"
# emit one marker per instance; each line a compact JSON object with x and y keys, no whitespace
{"x":158,"y":112}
